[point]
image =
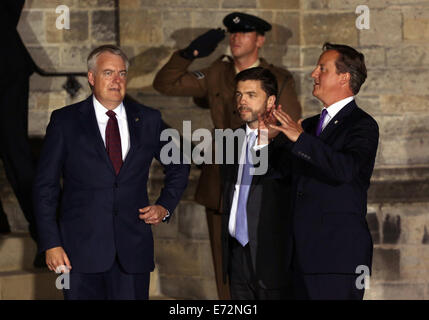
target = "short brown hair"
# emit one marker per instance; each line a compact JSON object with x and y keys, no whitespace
{"x":351,"y":61}
{"x":267,"y":78}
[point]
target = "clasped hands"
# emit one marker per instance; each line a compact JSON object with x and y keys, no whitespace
{"x":275,"y":120}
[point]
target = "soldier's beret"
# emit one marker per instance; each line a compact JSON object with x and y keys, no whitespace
{"x":243,"y":22}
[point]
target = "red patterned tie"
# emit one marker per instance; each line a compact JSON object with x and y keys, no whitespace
{"x":113,"y":141}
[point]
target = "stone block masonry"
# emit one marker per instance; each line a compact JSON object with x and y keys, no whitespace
{"x":396,"y":93}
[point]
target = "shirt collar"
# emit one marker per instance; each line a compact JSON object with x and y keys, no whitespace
{"x":248,"y":131}
{"x":333,"y":109}
{"x":256,"y":64}
{"x":100,"y":110}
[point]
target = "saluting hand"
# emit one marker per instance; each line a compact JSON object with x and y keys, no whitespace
{"x":204,"y":44}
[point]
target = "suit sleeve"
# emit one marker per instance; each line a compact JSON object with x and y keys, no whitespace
{"x":279,"y":155}
{"x":176,"y":178}
{"x":342,"y":166}
{"x":46,"y":190}
{"x":174,"y":79}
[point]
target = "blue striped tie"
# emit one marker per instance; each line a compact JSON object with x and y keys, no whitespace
{"x":241,"y":233}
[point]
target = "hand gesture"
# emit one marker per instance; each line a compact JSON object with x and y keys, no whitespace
{"x":290,"y":128}
{"x":266,"y":132}
{"x":153,"y":214}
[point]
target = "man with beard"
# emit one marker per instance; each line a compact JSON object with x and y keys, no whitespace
{"x":213,"y":87}
{"x":256,"y":239}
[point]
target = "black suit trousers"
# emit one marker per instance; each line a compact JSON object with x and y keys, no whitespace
{"x":326,"y":287}
{"x":114,"y":284}
{"x":243,"y":282}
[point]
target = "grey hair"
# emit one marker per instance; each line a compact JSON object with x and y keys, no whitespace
{"x":92,"y":58}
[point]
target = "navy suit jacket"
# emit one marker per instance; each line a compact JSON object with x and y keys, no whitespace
{"x":99,"y":210}
{"x":331,"y":177}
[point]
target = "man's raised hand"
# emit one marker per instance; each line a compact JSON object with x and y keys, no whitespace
{"x":290,"y":128}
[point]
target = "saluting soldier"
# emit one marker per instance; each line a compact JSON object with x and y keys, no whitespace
{"x":214,"y":88}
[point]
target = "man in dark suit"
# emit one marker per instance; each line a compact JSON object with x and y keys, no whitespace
{"x":16,"y":65}
{"x":256,"y":239}
{"x":333,"y":159}
{"x":213,"y":87}
{"x":102,"y":149}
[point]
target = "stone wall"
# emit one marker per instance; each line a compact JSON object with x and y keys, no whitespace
{"x":396,"y":93}
{"x":55,"y":50}
{"x":92,"y":22}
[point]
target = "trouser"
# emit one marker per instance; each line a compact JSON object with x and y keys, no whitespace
{"x":214,"y":223}
{"x":244,"y":284}
{"x":326,"y":287}
{"x":114,"y":284}
{"x":15,"y":150}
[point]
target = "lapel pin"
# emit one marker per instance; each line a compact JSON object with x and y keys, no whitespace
{"x":136,"y":119}
{"x":336,"y":121}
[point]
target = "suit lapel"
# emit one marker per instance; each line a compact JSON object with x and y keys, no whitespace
{"x":338,"y":120}
{"x":256,"y":178}
{"x":135,"y":122}
{"x":90,"y":126}
{"x":309,"y":125}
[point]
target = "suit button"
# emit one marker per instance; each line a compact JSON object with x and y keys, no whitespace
{"x":300,"y":194}
{"x":116,"y":184}
{"x":115,"y":213}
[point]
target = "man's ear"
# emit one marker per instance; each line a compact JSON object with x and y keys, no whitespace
{"x":345,"y":78}
{"x":260,"y":40}
{"x":271,"y":102}
{"x":91,"y":78}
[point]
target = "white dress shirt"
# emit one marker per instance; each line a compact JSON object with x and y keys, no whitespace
{"x":333,"y":109}
{"x":121,"y":116}
{"x":234,"y":206}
